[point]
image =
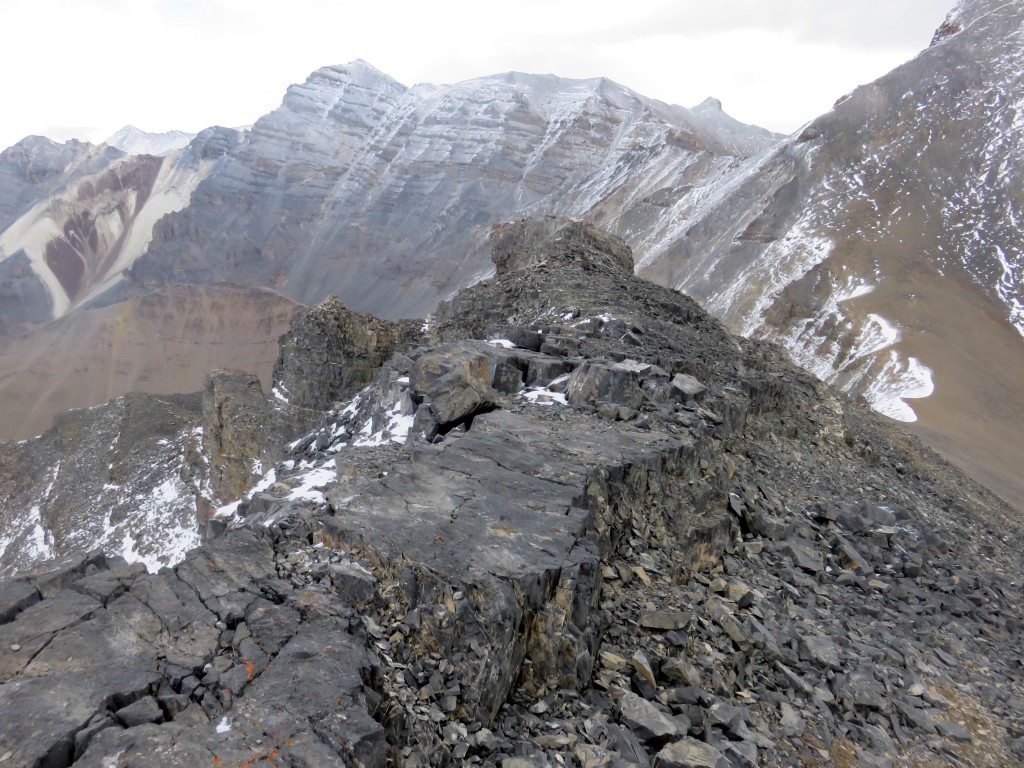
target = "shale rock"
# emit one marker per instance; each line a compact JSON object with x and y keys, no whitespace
{"x":544,"y":241}
{"x":234,"y":423}
{"x":535,"y":583}
{"x":328,"y":354}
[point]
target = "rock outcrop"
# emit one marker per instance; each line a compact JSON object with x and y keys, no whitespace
{"x":533,"y":242}
{"x":235,"y":414}
{"x":328,"y":354}
{"x":712,"y":559}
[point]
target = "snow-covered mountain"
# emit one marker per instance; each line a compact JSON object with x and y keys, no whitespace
{"x":356,"y":186}
{"x":381,"y":194}
{"x":135,"y":141}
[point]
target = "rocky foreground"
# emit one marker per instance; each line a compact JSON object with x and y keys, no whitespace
{"x":585,"y":526}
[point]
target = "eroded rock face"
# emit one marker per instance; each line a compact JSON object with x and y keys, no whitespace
{"x":235,"y":414}
{"x":548,"y":582}
{"x":359,"y":187}
{"x":328,"y":354}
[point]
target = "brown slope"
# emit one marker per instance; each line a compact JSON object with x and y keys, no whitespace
{"x":163,"y":343}
{"x":881,"y":244}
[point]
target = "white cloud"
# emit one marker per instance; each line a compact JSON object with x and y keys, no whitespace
{"x":87,"y":67}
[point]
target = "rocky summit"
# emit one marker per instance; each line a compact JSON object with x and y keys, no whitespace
{"x":878,"y":243}
{"x":571,"y":521}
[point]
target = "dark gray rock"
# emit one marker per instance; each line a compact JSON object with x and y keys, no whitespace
{"x":328,"y":354}
{"x":679,"y":670}
{"x":235,"y":418}
{"x":952,"y":730}
{"x":457,"y":383}
{"x":539,"y":241}
{"x":804,"y":554}
{"x":16,"y":596}
{"x":145,"y":710}
{"x":690,"y":753}
{"x":614,"y":383}
{"x":665,"y":620}
{"x":821,"y":651}
{"x":687,"y":387}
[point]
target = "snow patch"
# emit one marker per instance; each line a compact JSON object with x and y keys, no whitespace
{"x":396,"y":430}
{"x":897,"y":383}
{"x":311,"y":483}
{"x":543,"y":396}
{"x":39,"y":541}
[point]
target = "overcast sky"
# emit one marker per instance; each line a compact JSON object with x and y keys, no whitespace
{"x":84,"y":68}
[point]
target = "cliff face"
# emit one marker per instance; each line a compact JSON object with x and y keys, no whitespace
{"x":382,"y":195}
{"x":328,"y":354}
{"x":585,"y":523}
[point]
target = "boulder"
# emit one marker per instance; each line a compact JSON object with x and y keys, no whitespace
{"x":690,"y":753}
{"x":615,"y":383}
{"x":456,"y":382}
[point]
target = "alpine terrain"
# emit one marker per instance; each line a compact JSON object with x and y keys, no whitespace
{"x":880,"y":244}
{"x":875,"y":244}
{"x":356,"y":186}
{"x":522,"y":421}
{"x":576,"y":523}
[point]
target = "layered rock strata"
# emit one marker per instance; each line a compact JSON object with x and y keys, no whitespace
{"x":327,"y":355}
{"x":738,"y":566}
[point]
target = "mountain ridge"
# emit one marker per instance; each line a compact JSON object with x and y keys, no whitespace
{"x":581,"y":497}
{"x":384,"y":195}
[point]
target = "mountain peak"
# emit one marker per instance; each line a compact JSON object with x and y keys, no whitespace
{"x":135,"y":141}
{"x":710,"y":104}
{"x":355,"y":71}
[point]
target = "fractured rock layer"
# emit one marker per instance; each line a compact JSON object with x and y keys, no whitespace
{"x":738,"y":567}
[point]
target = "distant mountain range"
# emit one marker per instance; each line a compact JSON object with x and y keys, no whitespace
{"x":137,"y":142}
{"x":878,"y":243}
